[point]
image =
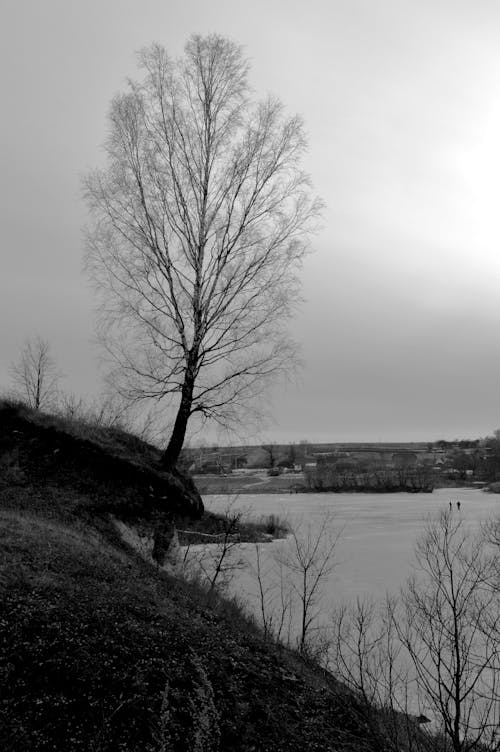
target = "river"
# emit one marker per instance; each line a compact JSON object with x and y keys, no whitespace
{"x":377,"y":532}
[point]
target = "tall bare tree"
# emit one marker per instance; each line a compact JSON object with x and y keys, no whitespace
{"x":35,"y":375}
{"x":201,"y":219}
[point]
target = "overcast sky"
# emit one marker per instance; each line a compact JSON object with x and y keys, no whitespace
{"x":400,"y":328}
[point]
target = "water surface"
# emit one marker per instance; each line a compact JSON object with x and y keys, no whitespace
{"x":375,"y":550}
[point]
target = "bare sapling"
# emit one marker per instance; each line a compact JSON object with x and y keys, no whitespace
{"x":308,"y":556}
{"x":217,"y":560}
{"x":274,"y":596}
{"x":367,"y":656}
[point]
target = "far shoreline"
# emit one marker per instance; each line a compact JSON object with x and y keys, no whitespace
{"x":294,"y":483}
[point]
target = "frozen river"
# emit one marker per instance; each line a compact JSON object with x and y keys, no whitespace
{"x":375,"y":550}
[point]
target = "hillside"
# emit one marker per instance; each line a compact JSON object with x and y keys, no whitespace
{"x":101,"y":651}
{"x":114,"y":469}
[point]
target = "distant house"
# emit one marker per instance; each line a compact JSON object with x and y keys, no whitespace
{"x":310,"y":465}
{"x":213,"y":468}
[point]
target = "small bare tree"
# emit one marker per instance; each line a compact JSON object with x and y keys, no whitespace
{"x":222,"y":563}
{"x":275,"y":596}
{"x":35,"y":375}
{"x":217,"y":560}
{"x":309,"y":556}
{"x":367,"y":656}
{"x":491,"y":538}
{"x":272,"y":452}
{"x":202,"y":218}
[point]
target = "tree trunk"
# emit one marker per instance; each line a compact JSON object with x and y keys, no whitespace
{"x":173,"y":450}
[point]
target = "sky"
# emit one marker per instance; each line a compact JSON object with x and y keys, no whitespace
{"x":399,"y":328}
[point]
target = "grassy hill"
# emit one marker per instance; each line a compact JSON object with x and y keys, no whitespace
{"x":101,"y":651}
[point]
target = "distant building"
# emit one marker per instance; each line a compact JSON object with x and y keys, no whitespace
{"x":212,"y":468}
{"x":310,"y":465}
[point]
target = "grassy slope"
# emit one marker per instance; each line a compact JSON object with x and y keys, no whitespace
{"x":99,"y":651}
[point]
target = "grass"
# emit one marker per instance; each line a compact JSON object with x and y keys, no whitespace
{"x":91,"y":637}
{"x":272,"y":525}
{"x":115,"y":441}
{"x":249,"y":531}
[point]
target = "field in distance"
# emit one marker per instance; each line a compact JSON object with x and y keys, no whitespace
{"x":258,"y":482}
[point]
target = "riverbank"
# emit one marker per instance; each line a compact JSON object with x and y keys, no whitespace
{"x":259,"y":482}
{"x":262,"y":483}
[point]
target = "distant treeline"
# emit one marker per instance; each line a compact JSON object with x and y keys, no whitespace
{"x":328,"y":479}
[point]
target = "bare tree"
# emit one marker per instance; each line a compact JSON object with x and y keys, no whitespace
{"x":436,"y":650}
{"x":450,"y":630}
{"x":309,"y":556}
{"x":35,"y":375}
{"x":265,"y":593}
{"x":202,"y":218}
{"x":222,"y":563}
{"x":272,"y":451}
{"x":275,"y":596}
{"x":368,"y":657}
{"x":491,"y":538}
{"x":217,"y":560}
